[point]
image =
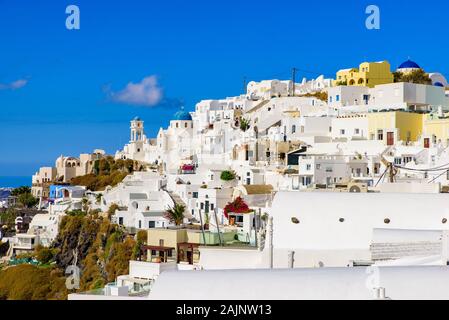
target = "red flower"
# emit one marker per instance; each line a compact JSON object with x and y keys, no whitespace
{"x":237,"y":206}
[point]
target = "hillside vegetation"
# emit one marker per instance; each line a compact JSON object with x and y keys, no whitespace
{"x":28,"y":282}
{"x":100,"y":249}
{"x":107,"y":172}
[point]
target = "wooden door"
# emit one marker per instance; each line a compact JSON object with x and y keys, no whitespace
{"x":390,"y":138}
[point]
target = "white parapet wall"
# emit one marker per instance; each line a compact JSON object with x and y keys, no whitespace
{"x":410,"y":187}
{"x":398,"y":283}
{"x":213,"y":258}
{"x":149,"y":270}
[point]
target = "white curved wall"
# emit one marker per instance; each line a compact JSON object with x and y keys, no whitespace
{"x":319,"y":215}
{"x":303,"y":284}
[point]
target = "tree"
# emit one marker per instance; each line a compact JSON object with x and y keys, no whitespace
{"x":98,"y":198}
{"x":112,"y":209}
{"x":21,"y":190}
{"x":142,"y":236}
{"x":27,"y":200}
{"x":244,"y":124}
{"x":175,"y":214}
{"x":8,"y":218}
{"x":227,"y":175}
{"x":418,"y":76}
{"x":397,"y":76}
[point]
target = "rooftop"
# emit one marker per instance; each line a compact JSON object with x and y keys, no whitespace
{"x":409,"y":64}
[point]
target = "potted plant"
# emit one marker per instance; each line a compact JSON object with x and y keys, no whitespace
{"x":206,"y":221}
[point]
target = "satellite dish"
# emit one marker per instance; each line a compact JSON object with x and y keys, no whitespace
{"x":355,"y":189}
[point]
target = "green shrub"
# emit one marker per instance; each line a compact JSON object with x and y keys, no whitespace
{"x":227,"y":175}
{"x":44,"y":255}
{"x":244,"y":124}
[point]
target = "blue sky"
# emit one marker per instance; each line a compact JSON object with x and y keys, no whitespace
{"x":65,"y":92}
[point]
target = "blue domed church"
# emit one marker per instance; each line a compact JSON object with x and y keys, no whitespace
{"x":437,"y":78}
{"x":181,"y":119}
{"x":182,"y":115}
{"x":408,"y":66}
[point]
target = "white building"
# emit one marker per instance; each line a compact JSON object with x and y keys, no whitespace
{"x":268,"y":89}
{"x":313,"y":85}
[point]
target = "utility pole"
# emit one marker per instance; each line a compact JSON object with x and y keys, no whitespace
{"x":294,"y":80}
{"x":218,"y":227}
{"x":202,"y":228}
{"x":244,"y":84}
{"x":392,"y":172}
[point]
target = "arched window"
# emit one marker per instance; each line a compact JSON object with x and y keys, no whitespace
{"x":293,"y":128}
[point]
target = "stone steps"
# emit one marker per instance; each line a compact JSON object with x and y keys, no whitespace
{"x":387,"y":251}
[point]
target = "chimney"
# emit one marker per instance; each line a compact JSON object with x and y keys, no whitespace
{"x":379,"y":294}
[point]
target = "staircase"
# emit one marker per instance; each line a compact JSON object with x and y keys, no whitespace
{"x":177,"y":200}
{"x":390,"y":251}
{"x":257,"y":107}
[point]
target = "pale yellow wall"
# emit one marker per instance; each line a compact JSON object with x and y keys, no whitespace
{"x":437,"y":127}
{"x":407,"y":124}
{"x":194,"y":237}
{"x":377,"y":121}
{"x":171,"y":237}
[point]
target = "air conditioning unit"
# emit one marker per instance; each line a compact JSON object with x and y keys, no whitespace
{"x":357,"y":187}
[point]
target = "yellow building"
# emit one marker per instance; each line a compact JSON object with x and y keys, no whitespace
{"x":369,"y":74}
{"x":182,"y":245}
{"x":437,"y":128}
{"x":178,"y":244}
{"x":391,"y":127}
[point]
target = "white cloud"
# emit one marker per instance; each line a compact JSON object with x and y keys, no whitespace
{"x":145,"y":93}
{"x":14,"y":85}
